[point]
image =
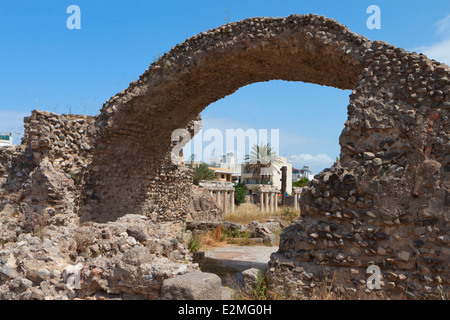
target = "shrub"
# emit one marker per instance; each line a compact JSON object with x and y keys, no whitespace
{"x":233,"y":233}
{"x":194,"y":243}
{"x":260,"y":290}
{"x":301,"y":183}
{"x":288,"y":214}
{"x":240,"y":190}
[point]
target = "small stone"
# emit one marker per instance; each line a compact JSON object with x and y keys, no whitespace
{"x":176,"y":255}
{"x":377,"y":162}
{"x":410,"y":295}
{"x":137,"y":232}
{"x":418,"y":243}
{"x":371,"y":214}
{"x":43,"y":274}
{"x":299,"y":269}
{"x":5,"y":270}
{"x":404,"y":255}
{"x":391,"y":285}
{"x":369,"y":156}
{"x":397,"y":237}
{"x":340,"y":257}
{"x":131,"y":241}
{"x":428,"y":289}
{"x":250,"y":278}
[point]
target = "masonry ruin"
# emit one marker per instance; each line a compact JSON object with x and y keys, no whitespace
{"x":385,"y":203}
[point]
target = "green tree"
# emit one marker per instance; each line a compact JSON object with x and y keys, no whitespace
{"x":240,"y":190}
{"x":203,"y":172}
{"x":301,"y":183}
{"x":261,"y":162}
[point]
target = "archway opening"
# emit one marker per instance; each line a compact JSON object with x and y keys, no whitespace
{"x":309,"y":120}
{"x":132,"y":170}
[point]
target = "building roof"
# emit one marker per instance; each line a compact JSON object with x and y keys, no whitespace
{"x":221,"y":170}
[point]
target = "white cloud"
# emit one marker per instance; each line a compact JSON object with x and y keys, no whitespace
{"x":440,"y":50}
{"x":443,"y":25}
{"x":316,"y":163}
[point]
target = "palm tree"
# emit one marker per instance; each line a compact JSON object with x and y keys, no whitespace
{"x":261,"y":162}
{"x":203,"y":172}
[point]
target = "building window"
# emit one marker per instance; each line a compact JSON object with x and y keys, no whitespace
{"x":4,"y":137}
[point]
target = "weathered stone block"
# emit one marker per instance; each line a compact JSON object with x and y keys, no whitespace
{"x":195,"y":285}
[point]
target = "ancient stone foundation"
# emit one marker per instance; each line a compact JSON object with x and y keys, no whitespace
{"x":386,"y":202}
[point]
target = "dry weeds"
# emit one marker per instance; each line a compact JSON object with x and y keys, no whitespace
{"x":248,"y":212}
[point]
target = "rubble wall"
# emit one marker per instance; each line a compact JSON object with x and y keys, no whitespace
{"x":45,"y":173}
{"x":43,"y":244}
{"x":386,"y":202}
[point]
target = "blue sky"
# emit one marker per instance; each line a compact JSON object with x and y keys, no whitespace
{"x":45,"y":65}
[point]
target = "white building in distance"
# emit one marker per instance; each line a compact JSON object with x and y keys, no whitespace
{"x":229,"y":163}
{"x":298,"y":174}
{"x":5,"y":140}
{"x":253,"y":183}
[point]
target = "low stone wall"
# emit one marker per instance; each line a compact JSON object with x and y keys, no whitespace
{"x":63,"y":139}
{"x":41,"y":186}
{"x":203,"y":206}
{"x":46,"y":171}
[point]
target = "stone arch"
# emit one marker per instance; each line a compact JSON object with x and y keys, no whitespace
{"x":395,"y":95}
{"x":386,"y":202}
{"x":130,"y":171}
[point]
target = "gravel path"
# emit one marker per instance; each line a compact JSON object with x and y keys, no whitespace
{"x":229,"y":262}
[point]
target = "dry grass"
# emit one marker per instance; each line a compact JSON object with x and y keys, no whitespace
{"x":220,"y":237}
{"x":248,"y":212}
{"x":244,"y":214}
{"x":212,"y":239}
{"x":329,"y":289}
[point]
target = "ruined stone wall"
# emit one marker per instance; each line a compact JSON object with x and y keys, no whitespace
{"x":64,"y":139}
{"x":44,"y":175}
{"x":42,"y":240}
{"x":15,"y":168}
{"x":203,"y":206}
{"x":386,"y":202}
